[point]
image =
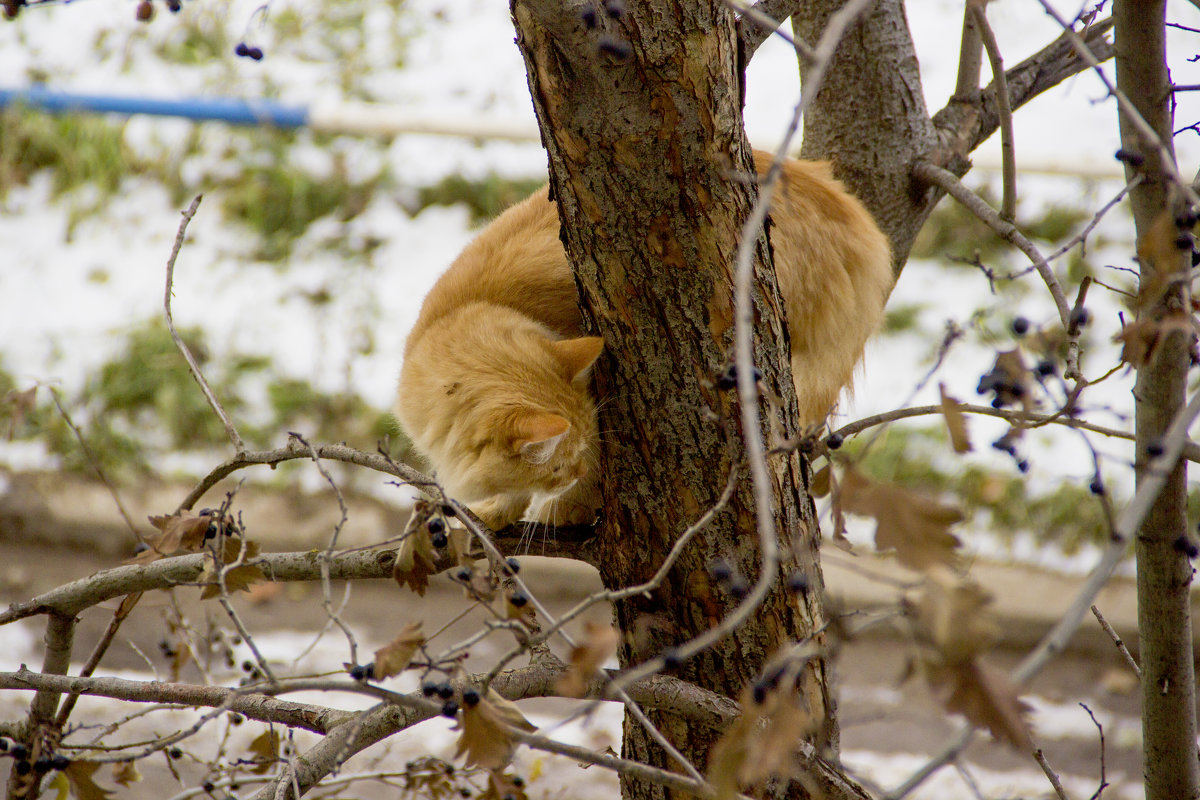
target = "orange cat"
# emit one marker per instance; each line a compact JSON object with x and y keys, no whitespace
{"x":494,"y":390}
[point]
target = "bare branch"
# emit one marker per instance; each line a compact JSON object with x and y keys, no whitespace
{"x":217,"y":408}
{"x":1129,"y":659}
{"x":946,"y":180}
{"x":1008,"y":210}
{"x":964,"y":124}
{"x":759,"y":21}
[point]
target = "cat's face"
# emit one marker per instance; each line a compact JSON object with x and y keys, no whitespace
{"x":500,"y":407}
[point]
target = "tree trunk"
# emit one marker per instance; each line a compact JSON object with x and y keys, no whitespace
{"x":1164,"y":571}
{"x":640,"y":112}
{"x":875,"y":67}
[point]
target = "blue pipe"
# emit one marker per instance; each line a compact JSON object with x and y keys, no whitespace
{"x":234,"y":111}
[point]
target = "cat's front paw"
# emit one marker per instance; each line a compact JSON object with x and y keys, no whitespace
{"x":498,"y":513}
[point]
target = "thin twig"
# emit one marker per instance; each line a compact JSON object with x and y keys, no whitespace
{"x":1051,"y":775}
{"x":217,"y":408}
{"x":1129,"y":659}
{"x":1100,"y":729}
{"x":94,"y":463}
{"x":946,"y":180}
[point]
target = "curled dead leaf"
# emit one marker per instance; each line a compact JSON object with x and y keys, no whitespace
{"x":764,"y":740}
{"x":986,"y":697}
{"x":415,"y":561}
{"x":395,"y":656}
{"x":486,"y":739}
{"x":950,"y":613}
{"x":956,"y":422}
{"x":264,"y":751}
{"x":83,"y":787}
{"x":238,"y":578}
{"x":914,"y":525}
{"x":1161,"y":259}
{"x":599,"y":645}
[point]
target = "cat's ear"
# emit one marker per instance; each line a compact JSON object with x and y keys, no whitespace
{"x":578,"y":355}
{"x":538,"y":435}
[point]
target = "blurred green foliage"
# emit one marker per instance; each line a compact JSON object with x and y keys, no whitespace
{"x":485,"y":198}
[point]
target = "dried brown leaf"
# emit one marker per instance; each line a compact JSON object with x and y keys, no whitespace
{"x":485,"y":738}
{"x":415,"y":561}
{"x":762,"y":743}
{"x":950,"y":613}
{"x":599,"y":644}
{"x":956,"y":422}
{"x":820,"y":484}
{"x":1139,"y":340}
{"x":1160,"y":257}
{"x":264,"y":751}
{"x":238,"y":578}
{"x":177,"y":533}
{"x":986,"y":697}
{"x":80,"y":773}
{"x":126,"y":772}
{"x":916,"y":526}
{"x":394,"y":657}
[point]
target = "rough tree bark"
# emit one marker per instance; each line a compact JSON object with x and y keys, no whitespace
{"x":646,"y":104}
{"x":1164,"y":571}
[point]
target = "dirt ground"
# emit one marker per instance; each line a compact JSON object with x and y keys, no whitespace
{"x":882,"y":716}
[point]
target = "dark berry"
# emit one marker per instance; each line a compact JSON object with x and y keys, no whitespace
{"x":1154,"y":449}
{"x":3,"y":745}
{"x":738,"y":587}
{"x":513,"y":565}
{"x":445,"y":691}
{"x":759,"y":692}
{"x":1186,"y":546}
{"x":242,"y":50}
{"x":175,"y":752}
{"x":1096,"y":487}
{"x":448,"y":510}
{"x":997,"y":402}
{"x":145,"y":11}
{"x":616,"y":48}
{"x":1020,"y":326}
{"x":518,"y":599}
{"x":211,"y":532}
{"x":208,"y":786}
{"x":23,"y":767}
{"x":60,"y":762}
{"x":720,"y":570}
{"x":1079,"y":317}
{"x":671,"y":659}
{"x":1183,"y":241}
{"x":1186,"y":220}
{"x":463,"y":574}
{"x":1129,"y":157}
{"x":435,"y":526}
{"x":1022,"y":466}
{"x":834,"y":441}
{"x":1046,"y":368}
{"x":429,"y":688}
{"x":797,"y":583}
{"x":42,"y":765}
{"x":255,"y":53}
{"x":439,"y":540}
{"x":588,"y":15}
{"x":247,"y":666}
{"x":363,"y":672}
{"x":19,"y":751}
{"x":174,"y":6}
{"x":236,"y":719}
{"x":449,"y":709}
{"x":518,"y":781}
{"x":464,"y":791}
{"x":614,"y":8}
{"x":470,"y":698}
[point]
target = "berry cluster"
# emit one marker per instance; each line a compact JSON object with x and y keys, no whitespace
{"x":244,"y":50}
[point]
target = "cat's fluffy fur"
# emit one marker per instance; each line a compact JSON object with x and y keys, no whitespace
{"x":494,"y":390}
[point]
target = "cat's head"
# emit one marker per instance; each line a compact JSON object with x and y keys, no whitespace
{"x":500,"y":406}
